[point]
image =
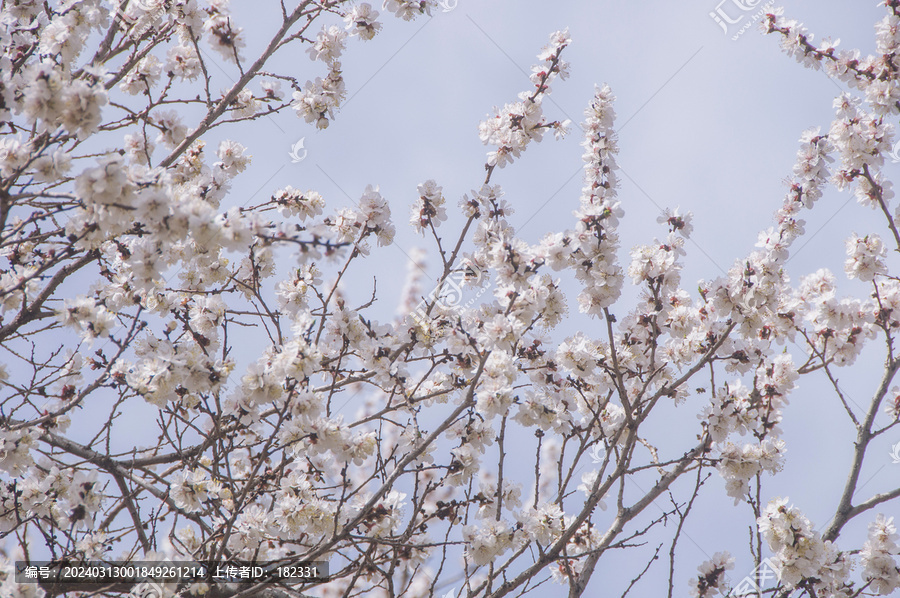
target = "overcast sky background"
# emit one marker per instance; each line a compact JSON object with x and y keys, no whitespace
{"x":707,"y":123}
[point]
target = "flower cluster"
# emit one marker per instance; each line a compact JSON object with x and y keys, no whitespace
{"x":410,"y":9}
{"x":878,"y":556}
{"x":488,"y":540}
{"x":50,"y":99}
{"x":429,"y":209}
{"x":318,"y":99}
{"x":66,"y":498}
{"x":800,"y":552}
{"x":517,"y":124}
{"x":222,"y":34}
{"x":752,"y":290}
{"x":362,"y":21}
{"x":739,"y":465}
{"x":865,"y":257}
{"x":711,"y":581}
{"x":595,"y":240}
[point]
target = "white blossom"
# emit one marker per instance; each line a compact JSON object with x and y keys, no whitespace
{"x":881,"y":568}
